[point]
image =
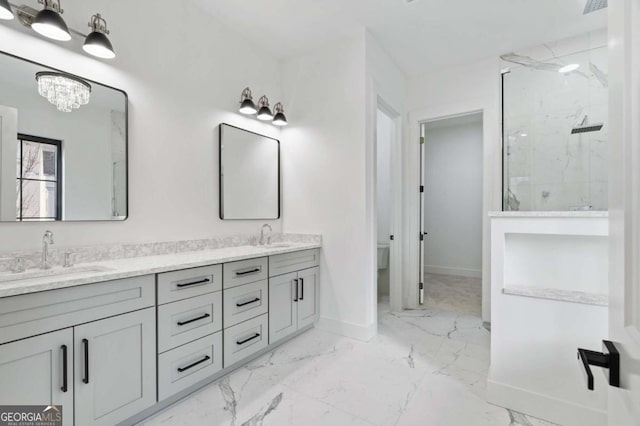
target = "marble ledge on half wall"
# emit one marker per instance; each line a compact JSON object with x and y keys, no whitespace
{"x":550,"y":214}
{"x":582,"y":297}
{"x":107,"y":252}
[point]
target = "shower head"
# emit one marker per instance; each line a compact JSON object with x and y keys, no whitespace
{"x":594,"y":5}
{"x":585,"y":127}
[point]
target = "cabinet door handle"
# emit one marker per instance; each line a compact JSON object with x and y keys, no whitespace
{"x":64,"y":387}
{"x":257,"y":299}
{"x":296,"y":281}
{"x":206,"y":280}
{"x":182,"y":369}
{"x":301,"y":288}
{"x":248,"y":339}
{"x":203,"y":316}
{"x":252,"y":271}
{"x":85,"y":343}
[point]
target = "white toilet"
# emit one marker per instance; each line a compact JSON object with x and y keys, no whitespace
{"x":383,"y":256}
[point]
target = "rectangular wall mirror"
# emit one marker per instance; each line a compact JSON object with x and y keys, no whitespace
{"x":63,"y":146}
{"x":249,"y":175}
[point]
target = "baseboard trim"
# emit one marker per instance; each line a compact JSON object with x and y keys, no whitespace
{"x":544,"y":407}
{"x":355,"y":331}
{"x":448,"y":270}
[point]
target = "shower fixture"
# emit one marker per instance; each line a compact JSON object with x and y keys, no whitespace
{"x":585,"y":127}
{"x":594,"y":5}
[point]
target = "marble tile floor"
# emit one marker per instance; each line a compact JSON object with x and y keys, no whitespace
{"x":425,"y":367}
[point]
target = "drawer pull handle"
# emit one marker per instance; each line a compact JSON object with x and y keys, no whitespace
{"x":251,"y":271}
{"x":203,"y":316}
{"x":248,"y":339}
{"x":206,"y":280}
{"x":200,"y":361}
{"x":85,"y":343}
{"x":64,"y":387}
{"x":257,"y":299}
{"x":301,"y":288}
{"x":296,"y":281}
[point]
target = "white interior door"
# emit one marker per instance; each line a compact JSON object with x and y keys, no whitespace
{"x":423,"y":130}
{"x":624,"y":207}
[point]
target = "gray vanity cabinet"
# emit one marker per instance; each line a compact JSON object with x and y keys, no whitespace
{"x":115,"y":374}
{"x":32,"y":372}
{"x":292,"y":302}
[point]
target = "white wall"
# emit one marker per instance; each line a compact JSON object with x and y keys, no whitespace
{"x":447,"y":92}
{"x":323,"y":171}
{"x":453,"y":196}
{"x":183,"y":78}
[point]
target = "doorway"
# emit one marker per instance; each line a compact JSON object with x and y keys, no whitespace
{"x":451,"y":213}
{"x":389,"y":286}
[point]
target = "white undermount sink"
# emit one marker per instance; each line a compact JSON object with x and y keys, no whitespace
{"x":56,"y":272}
{"x":279,"y":245}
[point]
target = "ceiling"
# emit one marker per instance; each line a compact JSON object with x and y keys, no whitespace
{"x":420,"y":35}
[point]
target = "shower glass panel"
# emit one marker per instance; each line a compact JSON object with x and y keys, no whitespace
{"x":555,"y":133}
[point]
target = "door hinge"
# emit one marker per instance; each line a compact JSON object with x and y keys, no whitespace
{"x":421,"y":188}
{"x":421,"y":286}
{"x":421,"y":236}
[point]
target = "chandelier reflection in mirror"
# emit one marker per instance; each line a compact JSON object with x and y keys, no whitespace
{"x":64,"y":91}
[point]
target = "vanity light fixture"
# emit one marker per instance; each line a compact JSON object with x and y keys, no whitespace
{"x":64,"y":91}
{"x":279,"y":118}
{"x":568,"y":68}
{"x":264,"y":113}
{"x":49,"y":22}
{"x":97,"y":43}
{"x":5,"y":10}
{"x":246,"y":102}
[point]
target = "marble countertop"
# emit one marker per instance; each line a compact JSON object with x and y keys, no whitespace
{"x":88,"y":273}
{"x":558,"y":294}
{"x":565,"y":214}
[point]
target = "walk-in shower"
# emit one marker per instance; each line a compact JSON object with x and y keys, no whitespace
{"x":555,"y":107}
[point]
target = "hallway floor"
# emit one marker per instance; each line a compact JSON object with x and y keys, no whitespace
{"x":425,"y":367}
{"x":454,"y":293}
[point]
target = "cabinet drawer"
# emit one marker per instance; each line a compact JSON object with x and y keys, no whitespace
{"x":186,"y":320}
{"x":245,"y":339}
{"x":185,"y":366}
{"x":295,"y":261}
{"x":178,"y":285}
{"x":245,"y":271}
{"x":36,"y":313}
{"x":245,"y":302}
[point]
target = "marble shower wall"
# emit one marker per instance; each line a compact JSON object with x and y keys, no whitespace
{"x":546,"y":168}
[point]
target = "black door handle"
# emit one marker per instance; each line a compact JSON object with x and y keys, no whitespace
{"x":248,"y":339}
{"x":296,"y":281}
{"x":248,"y":272}
{"x":85,"y":343}
{"x":257,"y":299}
{"x":301,"y":288}
{"x":203,"y":316}
{"x":64,"y":387}
{"x":206,"y":358}
{"x":206,"y":280}
{"x":608,"y":358}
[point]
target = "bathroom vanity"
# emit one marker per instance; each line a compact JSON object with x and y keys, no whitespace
{"x":113,"y":342}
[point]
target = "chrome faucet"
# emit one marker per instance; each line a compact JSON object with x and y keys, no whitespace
{"x":47,"y":239}
{"x":266,"y":225}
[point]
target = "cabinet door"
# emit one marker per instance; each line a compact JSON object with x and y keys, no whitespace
{"x":308,"y":296}
{"x":283,"y":314}
{"x":115,"y":374}
{"x":32,"y":372}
